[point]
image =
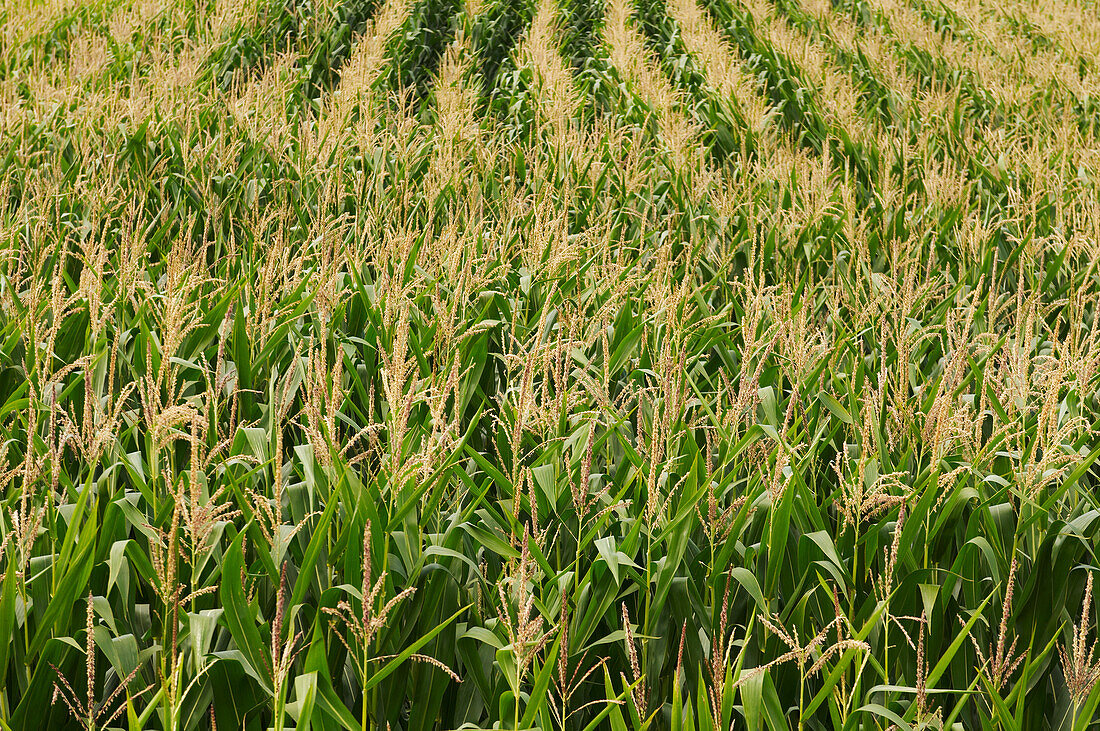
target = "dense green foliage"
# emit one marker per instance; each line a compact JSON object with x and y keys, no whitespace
{"x":347,"y":381}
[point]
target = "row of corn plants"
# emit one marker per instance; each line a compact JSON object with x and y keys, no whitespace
{"x":441,"y":425}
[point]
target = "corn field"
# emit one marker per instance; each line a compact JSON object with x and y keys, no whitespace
{"x":549,"y":364}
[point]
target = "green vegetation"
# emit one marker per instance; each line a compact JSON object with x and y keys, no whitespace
{"x":575,"y":364}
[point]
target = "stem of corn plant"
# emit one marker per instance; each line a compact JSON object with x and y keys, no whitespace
{"x":801,"y":693}
{"x":364,"y":665}
{"x":280,"y":704}
{"x":648,"y":599}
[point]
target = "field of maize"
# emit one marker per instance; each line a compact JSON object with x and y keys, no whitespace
{"x":556,"y":364}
